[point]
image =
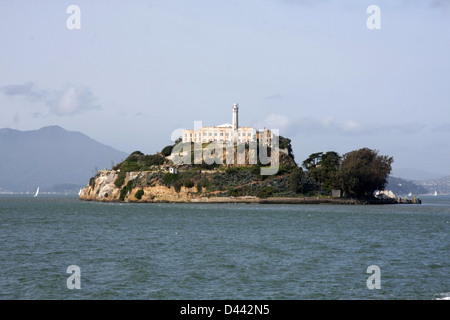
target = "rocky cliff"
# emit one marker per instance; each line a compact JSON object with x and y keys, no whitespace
{"x":102,"y":188}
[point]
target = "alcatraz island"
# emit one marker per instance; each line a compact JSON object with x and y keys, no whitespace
{"x":233,"y":164}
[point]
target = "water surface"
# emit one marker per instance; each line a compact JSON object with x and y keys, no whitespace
{"x":222,"y":251}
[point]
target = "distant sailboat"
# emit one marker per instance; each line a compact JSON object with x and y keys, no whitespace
{"x":435,"y":193}
{"x":37,"y":192}
{"x":79,"y":192}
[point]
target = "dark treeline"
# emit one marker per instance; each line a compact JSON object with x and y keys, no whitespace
{"x":358,"y":174}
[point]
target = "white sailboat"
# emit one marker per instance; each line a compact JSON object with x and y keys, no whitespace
{"x":435,"y":193}
{"x":37,"y":192}
{"x":79,"y":192}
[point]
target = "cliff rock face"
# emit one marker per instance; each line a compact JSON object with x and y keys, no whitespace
{"x":102,"y":188}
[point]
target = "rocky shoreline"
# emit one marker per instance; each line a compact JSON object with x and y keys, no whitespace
{"x":244,"y":199}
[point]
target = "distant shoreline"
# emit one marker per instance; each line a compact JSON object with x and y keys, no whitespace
{"x":270,"y":200}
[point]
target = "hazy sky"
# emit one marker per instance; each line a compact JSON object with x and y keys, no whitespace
{"x":138,"y":70}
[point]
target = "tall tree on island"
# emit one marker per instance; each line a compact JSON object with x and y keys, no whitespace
{"x":322,"y":167}
{"x":362,"y":172}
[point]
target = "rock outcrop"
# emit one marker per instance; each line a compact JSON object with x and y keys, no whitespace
{"x":102,"y":188}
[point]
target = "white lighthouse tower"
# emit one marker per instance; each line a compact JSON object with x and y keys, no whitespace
{"x":235,"y":117}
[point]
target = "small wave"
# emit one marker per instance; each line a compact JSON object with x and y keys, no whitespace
{"x":444,"y":296}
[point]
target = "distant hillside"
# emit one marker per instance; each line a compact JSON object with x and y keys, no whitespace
{"x":412,"y":179}
{"x":52,"y":158}
{"x":403,"y":187}
{"x":441,"y":185}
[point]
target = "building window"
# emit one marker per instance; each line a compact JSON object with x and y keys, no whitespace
{"x":204,"y":134}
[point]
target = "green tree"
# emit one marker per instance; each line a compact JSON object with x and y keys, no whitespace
{"x":188,"y":183}
{"x":322,"y":167}
{"x":139,"y":194}
{"x":169,"y":178}
{"x":177,"y":185}
{"x":134,"y":156}
{"x":285,"y":143}
{"x":266,"y":192}
{"x":167,"y":151}
{"x":154,"y":159}
{"x":312,"y":161}
{"x":92,"y":182}
{"x":296,"y":180}
{"x":203,"y":183}
{"x":329,"y":165}
{"x":123,"y":193}
{"x":362,"y":172}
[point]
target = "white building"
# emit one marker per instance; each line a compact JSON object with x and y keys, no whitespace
{"x":225,"y":133}
{"x":173,"y":170}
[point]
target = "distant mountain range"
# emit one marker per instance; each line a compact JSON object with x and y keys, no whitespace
{"x":52,"y":158}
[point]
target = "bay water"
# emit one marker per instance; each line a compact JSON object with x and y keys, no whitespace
{"x":222,"y":251}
